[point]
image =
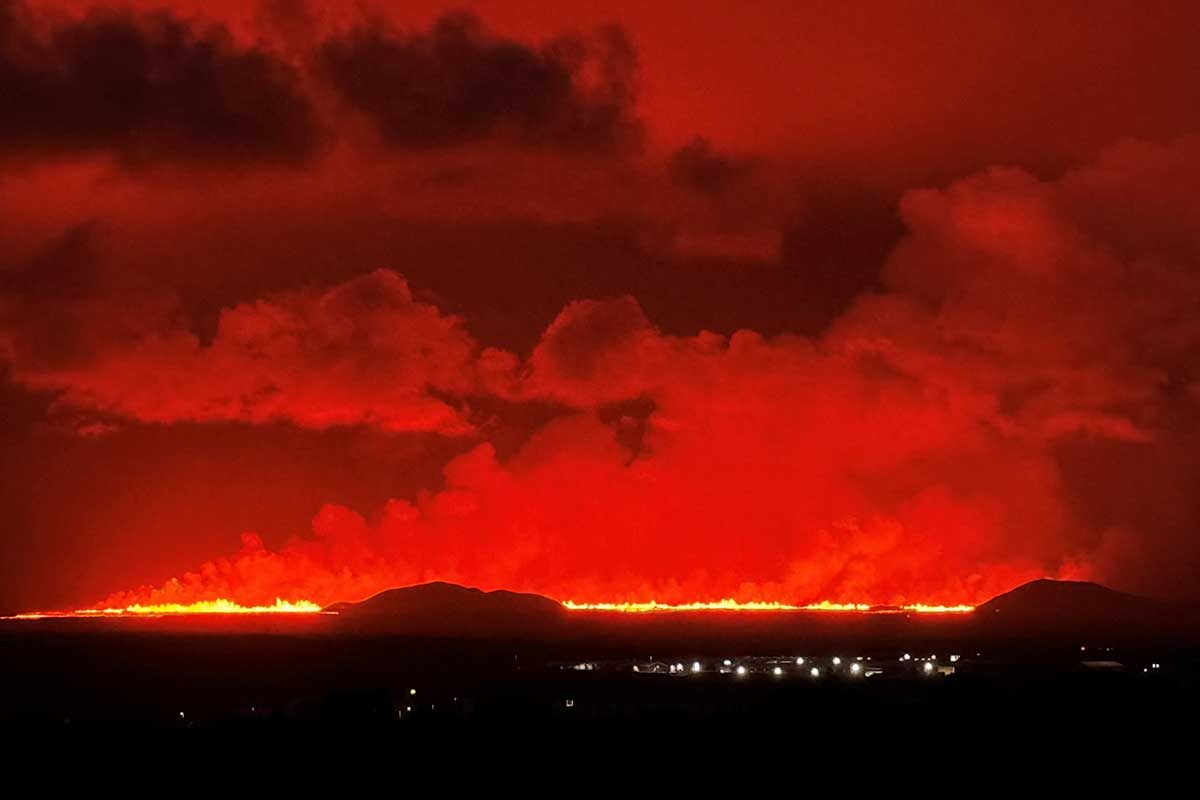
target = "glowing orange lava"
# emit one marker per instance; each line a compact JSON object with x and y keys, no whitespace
{"x":280,"y":606}
{"x":219,"y":606}
{"x":729,"y":604}
{"x":922,"y":608}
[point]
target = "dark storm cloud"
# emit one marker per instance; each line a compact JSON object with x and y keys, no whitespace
{"x":832,"y":251}
{"x":700,"y":167}
{"x":458,"y":83}
{"x":62,"y":312}
{"x":39,"y":300}
{"x":62,"y":267}
{"x":147,"y":87}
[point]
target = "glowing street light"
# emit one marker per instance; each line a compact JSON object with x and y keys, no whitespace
{"x":778,"y":670}
{"x":741,"y":670}
{"x":816,"y":673}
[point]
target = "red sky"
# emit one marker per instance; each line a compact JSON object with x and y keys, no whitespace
{"x":877,"y":302}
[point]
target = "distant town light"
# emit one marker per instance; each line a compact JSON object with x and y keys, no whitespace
{"x":855,"y":668}
{"x":741,"y":670}
{"x":696,"y":666}
{"x":816,"y":673}
{"x":928,"y":667}
{"x":836,"y":661}
{"x":778,"y":670}
{"x":800,"y":662}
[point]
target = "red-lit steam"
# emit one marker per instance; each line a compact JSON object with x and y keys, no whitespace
{"x":363,"y":353}
{"x":911,"y":454}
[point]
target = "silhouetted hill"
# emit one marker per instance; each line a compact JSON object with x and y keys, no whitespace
{"x":1042,"y":609}
{"x":446,"y":609}
{"x":1050,"y":607}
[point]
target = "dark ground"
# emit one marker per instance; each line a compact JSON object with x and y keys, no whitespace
{"x":298,"y":674}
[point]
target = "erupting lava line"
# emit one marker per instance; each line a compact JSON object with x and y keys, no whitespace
{"x":730,"y":604}
{"x":922,"y":608}
{"x":223,"y":606}
{"x":219,"y":606}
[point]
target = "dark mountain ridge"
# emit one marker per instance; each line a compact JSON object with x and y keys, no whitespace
{"x":1059,"y":608}
{"x":1039,"y":609}
{"x":447,"y":609}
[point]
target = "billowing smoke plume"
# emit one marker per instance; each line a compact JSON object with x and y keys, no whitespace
{"x":362,"y":353}
{"x":975,"y":424}
{"x":147,"y":88}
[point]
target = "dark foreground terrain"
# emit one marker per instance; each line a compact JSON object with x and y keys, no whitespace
{"x":387,"y":666}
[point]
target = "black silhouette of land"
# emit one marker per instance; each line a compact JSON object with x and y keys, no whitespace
{"x":446,"y":609}
{"x":440,"y":654}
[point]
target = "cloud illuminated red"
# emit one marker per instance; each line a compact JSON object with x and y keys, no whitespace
{"x":932,"y":334}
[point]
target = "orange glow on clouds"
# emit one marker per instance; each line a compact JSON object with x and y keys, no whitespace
{"x":928,"y":445}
